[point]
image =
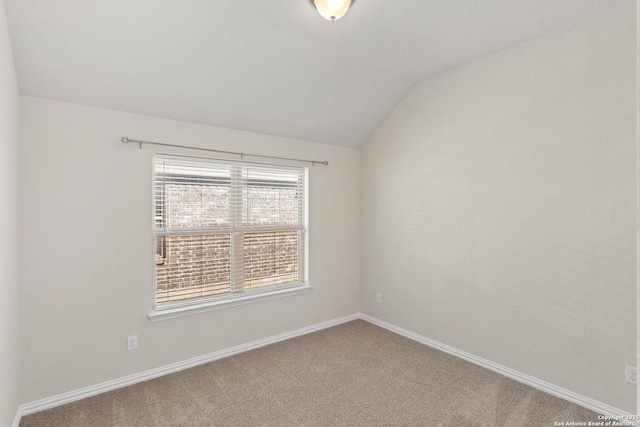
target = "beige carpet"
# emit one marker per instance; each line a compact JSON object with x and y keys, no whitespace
{"x":355,"y":374}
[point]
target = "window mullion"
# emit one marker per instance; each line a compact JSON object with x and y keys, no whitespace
{"x":237,"y":237}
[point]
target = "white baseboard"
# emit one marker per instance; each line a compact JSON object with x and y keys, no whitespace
{"x":72,"y":396}
{"x":551,"y":389}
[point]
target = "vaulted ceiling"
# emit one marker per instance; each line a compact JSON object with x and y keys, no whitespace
{"x":269,"y":66}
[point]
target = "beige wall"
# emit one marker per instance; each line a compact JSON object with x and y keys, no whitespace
{"x":9,"y":280}
{"x":498,"y":208}
{"x":88,"y":247}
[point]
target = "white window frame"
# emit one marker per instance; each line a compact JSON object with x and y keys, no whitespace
{"x":184,"y":308}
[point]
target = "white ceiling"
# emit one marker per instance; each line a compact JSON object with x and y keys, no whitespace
{"x":270,"y":66}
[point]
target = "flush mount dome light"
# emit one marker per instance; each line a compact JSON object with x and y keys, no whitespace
{"x":332,"y":9}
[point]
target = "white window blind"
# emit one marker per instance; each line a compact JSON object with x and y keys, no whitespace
{"x":226,"y":229}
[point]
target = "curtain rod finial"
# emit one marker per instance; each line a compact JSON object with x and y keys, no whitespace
{"x":124,"y":140}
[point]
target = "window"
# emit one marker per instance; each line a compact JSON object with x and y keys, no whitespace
{"x":225,"y":230}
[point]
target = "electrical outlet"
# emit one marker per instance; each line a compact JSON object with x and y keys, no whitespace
{"x":132,"y":342}
{"x":379,"y":298}
{"x":631,"y":375}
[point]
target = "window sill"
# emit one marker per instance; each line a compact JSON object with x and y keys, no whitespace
{"x":186,"y":310}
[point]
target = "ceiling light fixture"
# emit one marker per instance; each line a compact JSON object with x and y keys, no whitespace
{"x":332,"y":9}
